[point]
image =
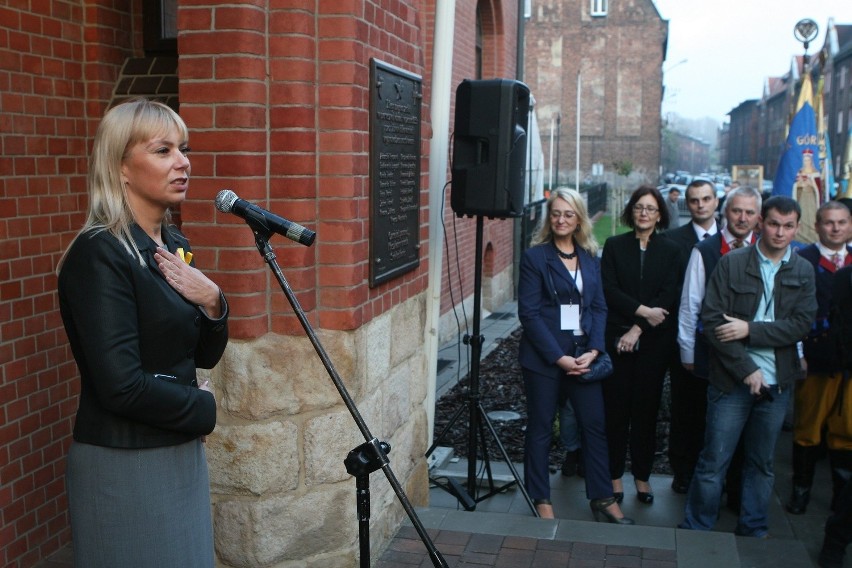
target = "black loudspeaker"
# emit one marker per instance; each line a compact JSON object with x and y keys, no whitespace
{"x":490,"y":148}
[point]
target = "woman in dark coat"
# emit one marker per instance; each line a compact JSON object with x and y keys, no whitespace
{"x":640,"y":281}
{"x":562,"y":310}
{"x":140,"y":318}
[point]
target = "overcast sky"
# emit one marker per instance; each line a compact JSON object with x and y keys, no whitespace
{"x":732,"y":46}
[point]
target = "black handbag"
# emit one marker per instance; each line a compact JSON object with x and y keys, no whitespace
{"x":600,"y":368}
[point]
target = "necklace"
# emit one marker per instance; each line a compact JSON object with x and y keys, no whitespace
{"x":564,"y":255}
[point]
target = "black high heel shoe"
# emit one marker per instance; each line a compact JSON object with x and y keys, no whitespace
{"x":598,"y":507}
{"x":646,"y":497}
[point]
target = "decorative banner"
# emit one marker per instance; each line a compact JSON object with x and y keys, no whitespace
{"x":845,"y":173}
{"x":825,"y":164}
{"x":798,"y":174}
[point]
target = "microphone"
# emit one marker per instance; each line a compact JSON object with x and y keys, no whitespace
{"x":261,"y":219}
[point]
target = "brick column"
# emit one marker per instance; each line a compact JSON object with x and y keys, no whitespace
{"x":277,"y":101}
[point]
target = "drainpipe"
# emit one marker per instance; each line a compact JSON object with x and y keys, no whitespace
{"x":519,"y":65}
{"x":516,"y":223}
{"x":577,"y":143}
{"x":442,"y":69}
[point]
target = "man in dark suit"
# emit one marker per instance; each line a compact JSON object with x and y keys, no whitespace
{"x":838,"y":527}
{"x":821,"y":415}
{"x":686,"y":389}
{"x":702,"y":203}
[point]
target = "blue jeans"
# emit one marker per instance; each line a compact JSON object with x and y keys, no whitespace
{"x":728,"y":416}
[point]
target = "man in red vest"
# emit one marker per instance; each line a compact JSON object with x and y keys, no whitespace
{"x":817,"y":398}
{"x":741,"y":213}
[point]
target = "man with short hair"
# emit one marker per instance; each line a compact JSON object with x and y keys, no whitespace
{"x":819,"y":415}
{"x":672,"y":205}
{"x":759,"y":302}
{"x":701,"y":202}
{"x":728,"y":189}
{"x":741,"y":212}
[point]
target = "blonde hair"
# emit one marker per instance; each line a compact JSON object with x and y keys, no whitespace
{"x":122,"y":127}
{"x":583,"y":236}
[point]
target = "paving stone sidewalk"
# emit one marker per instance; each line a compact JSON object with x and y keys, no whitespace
{"x":470,"y":549}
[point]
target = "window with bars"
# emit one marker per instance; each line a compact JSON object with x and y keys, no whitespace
{"x":599,"y":7}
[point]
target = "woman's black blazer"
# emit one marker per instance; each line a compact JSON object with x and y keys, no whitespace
{"x":627,"y":285}
{"x":137,"y":343}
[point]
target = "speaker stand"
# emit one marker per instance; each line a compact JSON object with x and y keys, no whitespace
{"x":478,"y":420}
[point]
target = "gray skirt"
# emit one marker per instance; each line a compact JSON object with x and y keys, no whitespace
{"x":140,"y":508}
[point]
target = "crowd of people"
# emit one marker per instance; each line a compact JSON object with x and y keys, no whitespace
{"x":747,"y":322}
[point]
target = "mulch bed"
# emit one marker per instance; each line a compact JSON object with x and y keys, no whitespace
{"x":501,"y":387}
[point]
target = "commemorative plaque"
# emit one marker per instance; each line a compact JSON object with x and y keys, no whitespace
{"x":395,"y":102}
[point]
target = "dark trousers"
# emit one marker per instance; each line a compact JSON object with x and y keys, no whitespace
{"x":686,"y":435}
{"x":632,"y":401}
{"x":688,"y":409}
{"x":543,"y":393}
{"x":838,"y":528}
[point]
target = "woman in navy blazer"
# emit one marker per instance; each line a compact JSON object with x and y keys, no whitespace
{"x":561,"y":308}
{"x":640,"y":280}
{"x":140,"y":319}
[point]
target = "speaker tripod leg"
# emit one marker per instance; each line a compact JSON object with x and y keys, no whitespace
{"x":445,"y":431}
{"x":452,"y":486}
{"x":517,"y":478}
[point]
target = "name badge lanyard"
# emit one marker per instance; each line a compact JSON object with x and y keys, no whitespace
{"x":569,"y":313}
{"x":768,"y":299}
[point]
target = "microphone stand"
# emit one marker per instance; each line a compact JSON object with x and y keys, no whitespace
{"x":369,"y":456}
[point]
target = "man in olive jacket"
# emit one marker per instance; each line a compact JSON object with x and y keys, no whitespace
{"x":759,"y":302}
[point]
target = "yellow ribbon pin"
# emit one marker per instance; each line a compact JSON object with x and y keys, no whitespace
{"x":184,"y":256}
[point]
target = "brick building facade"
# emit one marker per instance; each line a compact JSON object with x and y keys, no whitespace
{"x":773,"y":117}
{"x":838,"y":94}
{"x":684,"y":152}
{"x":276,"y":96}
{"x":617,"y":49}
{"x":758,"y":127}
{"x":742,"y":145}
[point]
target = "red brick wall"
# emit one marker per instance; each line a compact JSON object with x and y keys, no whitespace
{"x":499,"y":23}
{"x":296,"y":142}
{"x":56,"y":76}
